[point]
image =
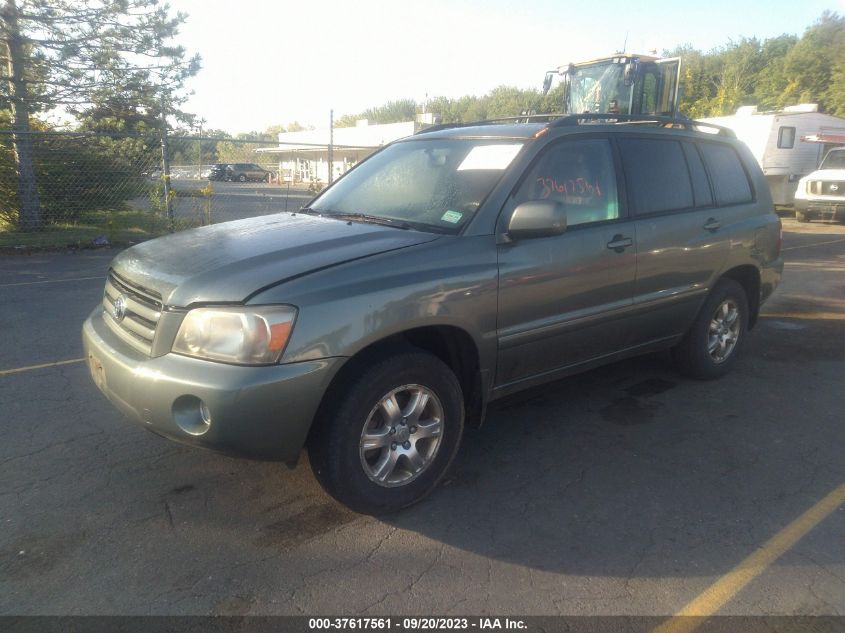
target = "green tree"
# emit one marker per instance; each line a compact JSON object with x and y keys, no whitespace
{"x":770,"y":82}
{"x":390,"y":112}
{"x":79,"y":54}
{"x":737,"y":65}
{"x":814,"y":67}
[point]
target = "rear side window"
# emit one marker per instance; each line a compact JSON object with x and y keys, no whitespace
{"x":700,"y":185}
{"x":578,"y":174}
{"x":656,"y":174}
{"x":730,"y":182}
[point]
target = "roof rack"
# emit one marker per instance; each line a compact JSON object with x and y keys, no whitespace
{"x":525,"y":118}
{"x":676,"y":121}
{"x":564,"y":120}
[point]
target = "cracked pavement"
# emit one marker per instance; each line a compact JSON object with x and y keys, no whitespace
{"x":627,"y":490}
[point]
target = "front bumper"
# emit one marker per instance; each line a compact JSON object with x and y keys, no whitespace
{"x":259,"y":412}
{"x":822,"y":208}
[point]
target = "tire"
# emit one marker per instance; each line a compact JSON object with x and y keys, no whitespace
{"x":712,"y":344}
{"x":384,"y":478}
{"x":242,"y":178}
{"x":801,"y":217}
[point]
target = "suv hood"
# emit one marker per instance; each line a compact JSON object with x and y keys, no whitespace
{"x":826,"y":175}
{"x":226,"y":263}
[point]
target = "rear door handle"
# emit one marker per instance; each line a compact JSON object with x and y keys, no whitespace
{"x":619,"y":243}
{"x":712,"y":224}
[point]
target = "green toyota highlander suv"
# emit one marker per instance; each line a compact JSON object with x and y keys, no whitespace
{"x":449,"y":269}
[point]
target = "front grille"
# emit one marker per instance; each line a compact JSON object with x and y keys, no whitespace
{"x":141,"y":312}
{"x":826,"y":188}
{"x":833,"y":188}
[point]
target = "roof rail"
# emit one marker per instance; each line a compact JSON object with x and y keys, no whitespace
{"x":676,"y":121}
{"x":525,"y":118}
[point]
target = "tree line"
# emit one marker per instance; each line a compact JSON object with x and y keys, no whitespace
{"x":769,"y":73}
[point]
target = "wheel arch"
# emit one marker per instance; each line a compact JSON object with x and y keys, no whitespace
{"x":748,"y":276}
{"x":452,"y":345}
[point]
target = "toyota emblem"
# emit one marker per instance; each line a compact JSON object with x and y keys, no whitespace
{"x":118,"y":310}
{"x":834,"y":187}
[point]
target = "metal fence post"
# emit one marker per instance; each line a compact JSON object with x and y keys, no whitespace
{"x":165,"y":166}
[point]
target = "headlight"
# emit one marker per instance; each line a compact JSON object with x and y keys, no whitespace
{"x":243,"y":335}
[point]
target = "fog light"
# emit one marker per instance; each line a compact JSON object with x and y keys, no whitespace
{"x":191,"y":415}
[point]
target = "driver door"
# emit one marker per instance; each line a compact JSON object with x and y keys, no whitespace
{"x":562,"y":298}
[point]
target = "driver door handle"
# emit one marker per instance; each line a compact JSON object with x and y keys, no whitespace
{"x":712,"y":224}
{"x":619,"y":243}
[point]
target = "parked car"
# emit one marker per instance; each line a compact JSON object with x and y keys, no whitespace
{"x":219,"y":172}
{"x":240,"y":172}
{"x":446,"y":271}
{"x":243,"y":172}
{"x":821,"y":194}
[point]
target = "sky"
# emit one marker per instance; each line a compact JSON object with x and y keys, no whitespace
{"x":271,"y":62}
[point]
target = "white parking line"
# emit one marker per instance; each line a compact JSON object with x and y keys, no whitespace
{"x":51,"y":281}
{"x":18,"y":370}
{"x":792,"y":248}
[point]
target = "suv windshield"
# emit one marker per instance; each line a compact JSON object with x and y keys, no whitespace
{"x":834,"y":160}
{"x":435,"y":184}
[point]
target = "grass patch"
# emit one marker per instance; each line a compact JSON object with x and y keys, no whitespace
{"x":121,"y":228}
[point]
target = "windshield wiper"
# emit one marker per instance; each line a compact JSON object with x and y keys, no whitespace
{"x":364,"y":217}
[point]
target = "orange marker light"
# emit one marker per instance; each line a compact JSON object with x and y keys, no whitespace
{"x":279,"y":334}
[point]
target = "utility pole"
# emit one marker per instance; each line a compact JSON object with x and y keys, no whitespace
{"x":331,"y":146}
{"x":165,"y":163}
{"x":29,"y":209}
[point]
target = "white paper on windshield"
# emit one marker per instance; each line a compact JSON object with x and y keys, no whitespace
{"x":490,"y":157}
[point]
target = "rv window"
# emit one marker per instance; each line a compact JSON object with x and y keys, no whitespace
{"x":786,"y":137}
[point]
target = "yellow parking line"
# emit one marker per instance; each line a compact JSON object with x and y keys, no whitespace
{"x":716,"y":595}
{"x":49,"y":281}
{"x":792,"y":248}
{"x":8,"y":372}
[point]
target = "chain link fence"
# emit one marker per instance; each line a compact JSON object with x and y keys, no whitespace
{"x":100,"y":188}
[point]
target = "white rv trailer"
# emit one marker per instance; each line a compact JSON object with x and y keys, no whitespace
{"x":776,"y":140}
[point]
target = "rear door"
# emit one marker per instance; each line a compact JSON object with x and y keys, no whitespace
{"x":681,"y":242}
{"x":562,"y":298}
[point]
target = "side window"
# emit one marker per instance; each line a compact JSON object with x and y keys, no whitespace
{"x":580,"y":175}
{"x":656,"y":175}
{"x":700,"y":185}
{"x":786,"y":137}
{"x":730,"y":183}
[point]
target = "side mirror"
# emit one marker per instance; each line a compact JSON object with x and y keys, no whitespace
{"x":537,"y":218}
{"x":547,"y":82}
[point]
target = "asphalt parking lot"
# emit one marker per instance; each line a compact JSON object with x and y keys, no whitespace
{"x":627,"y":490}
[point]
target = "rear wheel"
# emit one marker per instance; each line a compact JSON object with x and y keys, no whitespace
{"x":710,"y":347}
{"x":801,"y":217}
{"x":392,"y":432}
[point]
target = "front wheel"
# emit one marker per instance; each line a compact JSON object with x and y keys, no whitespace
{"x":242,"y":178}
{"x":711,"y":345}
{"x":801,"y":216}
{"x":391,"y":434}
